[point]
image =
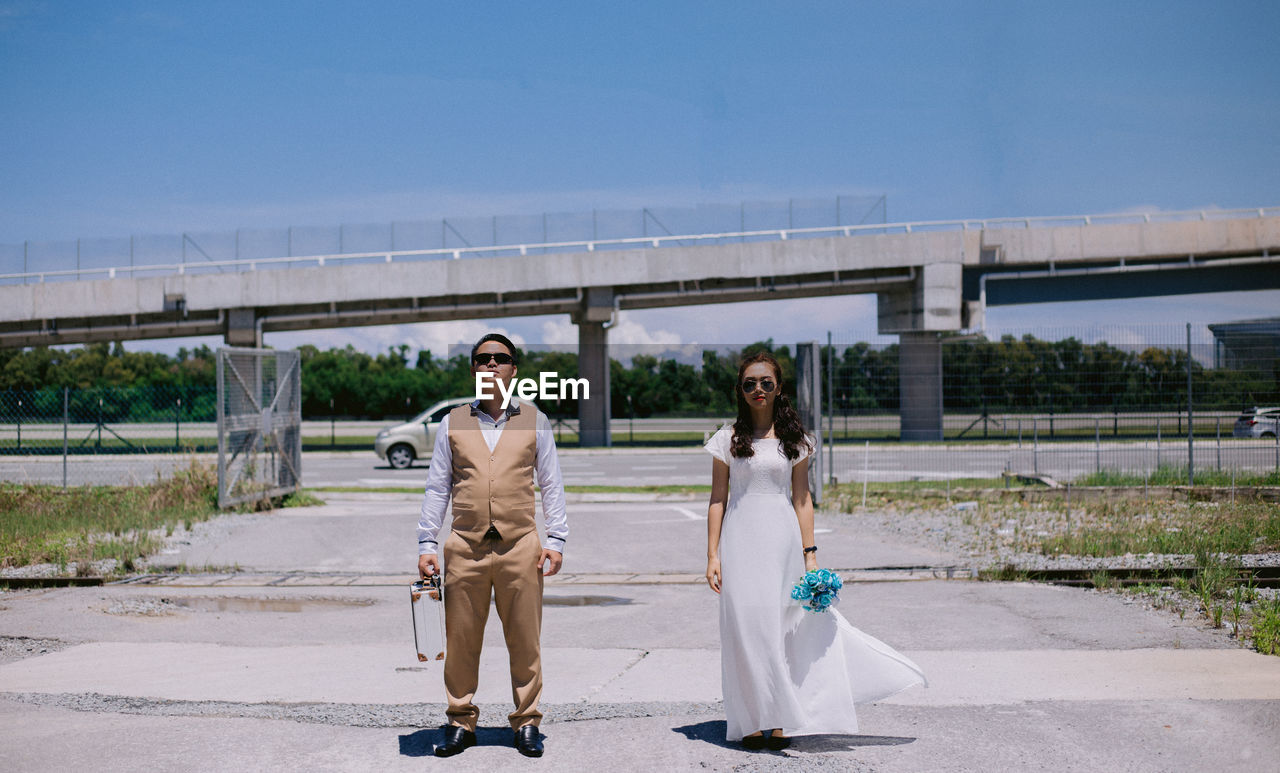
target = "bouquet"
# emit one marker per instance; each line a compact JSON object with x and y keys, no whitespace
{"x":818,"y":590}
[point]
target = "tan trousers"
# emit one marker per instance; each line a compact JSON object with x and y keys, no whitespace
{"x":507,"y":572}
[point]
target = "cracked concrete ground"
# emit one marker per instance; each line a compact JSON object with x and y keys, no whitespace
{"x":311,"y":666}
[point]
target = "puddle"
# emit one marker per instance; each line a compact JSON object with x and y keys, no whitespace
{"x":583,"y":601}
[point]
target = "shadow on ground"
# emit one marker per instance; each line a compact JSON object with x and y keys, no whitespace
{"x":422,"y":743}
{"x":712,"y":732}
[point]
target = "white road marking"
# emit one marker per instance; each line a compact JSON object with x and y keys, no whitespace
{"x":687,"y":513}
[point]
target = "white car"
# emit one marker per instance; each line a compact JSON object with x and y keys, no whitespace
{"x":1259,"y":422}
{"x":402,"y":443}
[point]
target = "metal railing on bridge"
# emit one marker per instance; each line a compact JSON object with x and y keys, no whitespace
{"x":278,"y":249}
{"x":252,"y":249}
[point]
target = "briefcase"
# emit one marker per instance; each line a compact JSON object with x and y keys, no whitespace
{"x":427,"y":599}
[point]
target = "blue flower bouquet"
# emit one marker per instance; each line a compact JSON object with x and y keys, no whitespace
{"x":818,"y":590}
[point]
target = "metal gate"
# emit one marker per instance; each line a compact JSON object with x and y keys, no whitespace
{"x":259,"y":424}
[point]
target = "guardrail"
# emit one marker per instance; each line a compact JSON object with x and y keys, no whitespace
{"x":645,"y":242}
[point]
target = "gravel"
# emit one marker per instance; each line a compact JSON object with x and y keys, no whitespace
{"x":141,"y":606}
{"x":18,"y":647}
{"x":396,"y":715}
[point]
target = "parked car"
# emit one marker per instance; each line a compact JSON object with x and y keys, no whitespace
{"x":402,"y":443}
{"x":1258,"y":422}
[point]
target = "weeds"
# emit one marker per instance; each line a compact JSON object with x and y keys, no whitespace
{"x":1006,"y":573}
{"x":1215,"y":579}
{"x":1266,"y":628}
{"x":1238,"y":600}
{"x":1108,"y":529}
{"x":301,"y":498}
{"x":77,"y":527}
{"x":1172,"y":475}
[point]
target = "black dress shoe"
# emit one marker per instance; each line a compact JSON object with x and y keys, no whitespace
{"x":456,"y":739}
{"x":753,"y":742}
{"x":777,"y":742}
{"x":528,"y":741}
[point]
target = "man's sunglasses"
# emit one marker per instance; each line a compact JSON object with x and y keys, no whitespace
{"x":749,"y":385}
{"x":483,"y":358}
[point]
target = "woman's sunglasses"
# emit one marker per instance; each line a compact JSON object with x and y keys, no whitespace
{"x":483,"y":358}
{"x":749,"y":385}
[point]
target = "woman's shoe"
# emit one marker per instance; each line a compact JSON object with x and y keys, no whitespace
{"x":777,"y":742}
{"x":753,"y":742}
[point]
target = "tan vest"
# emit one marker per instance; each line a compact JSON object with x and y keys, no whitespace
{"x":493,"y":488}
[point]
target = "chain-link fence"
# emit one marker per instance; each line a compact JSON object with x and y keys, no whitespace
{"x":196,"y":252}
{"x":1067,"y":405}
{"x":103,"y":435}
{"x":1049,"y":404}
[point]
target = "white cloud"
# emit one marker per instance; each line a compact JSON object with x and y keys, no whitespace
{"x":11,"y":14}
{"x":627,"y":330}
{"x":848,"y":317}
{"x":442,"y":339}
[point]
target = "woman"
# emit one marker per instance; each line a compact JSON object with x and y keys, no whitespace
{"x":783,"y":669}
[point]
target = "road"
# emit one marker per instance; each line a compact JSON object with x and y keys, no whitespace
{"x":1012,"y":426}
{"x":302,"y":661}
{"x":689,"y":465}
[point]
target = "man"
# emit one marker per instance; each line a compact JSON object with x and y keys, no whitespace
{"x":486,"y":459}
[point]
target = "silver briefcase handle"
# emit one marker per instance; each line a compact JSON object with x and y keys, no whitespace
{"x":429,"y":585}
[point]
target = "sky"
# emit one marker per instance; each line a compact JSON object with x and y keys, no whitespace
{"x":163,"y":117}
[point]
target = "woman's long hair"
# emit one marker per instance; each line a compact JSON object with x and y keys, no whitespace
{"x":786,"y":421}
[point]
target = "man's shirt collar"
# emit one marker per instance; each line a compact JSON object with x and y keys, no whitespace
{"x":512,"y":409}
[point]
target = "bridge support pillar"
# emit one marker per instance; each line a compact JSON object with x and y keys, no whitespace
{"x":244,"y":328}
{"x":593,"y":364}
{"x":918,"y":314}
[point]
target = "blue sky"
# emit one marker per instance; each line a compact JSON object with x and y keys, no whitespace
{"x":134,"y":117}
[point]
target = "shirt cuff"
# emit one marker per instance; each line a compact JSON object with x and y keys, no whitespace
{"x":556,"y":544}
{"x":428,"y":548}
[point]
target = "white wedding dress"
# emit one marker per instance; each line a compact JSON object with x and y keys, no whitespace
{"x":782,"y":666}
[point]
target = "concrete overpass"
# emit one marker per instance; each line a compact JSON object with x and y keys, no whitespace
{"x":930,"y":278}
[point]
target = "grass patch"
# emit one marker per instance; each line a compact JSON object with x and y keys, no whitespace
{"x":1102,"y":580}
{"x":109,"y":445}
{"x":1266,"y":628}
{"x":301,"y":498}
{"x":75,"y":527}
{"x":846,"y":496}
{"x":1006,"y":573}
{"x":1111,"y":529}
{"x":1170,"y":475}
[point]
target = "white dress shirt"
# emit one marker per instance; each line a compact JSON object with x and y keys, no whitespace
{"x":435,"y":500}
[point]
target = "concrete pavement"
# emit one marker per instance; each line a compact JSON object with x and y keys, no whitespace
{"x":304,"y":661}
